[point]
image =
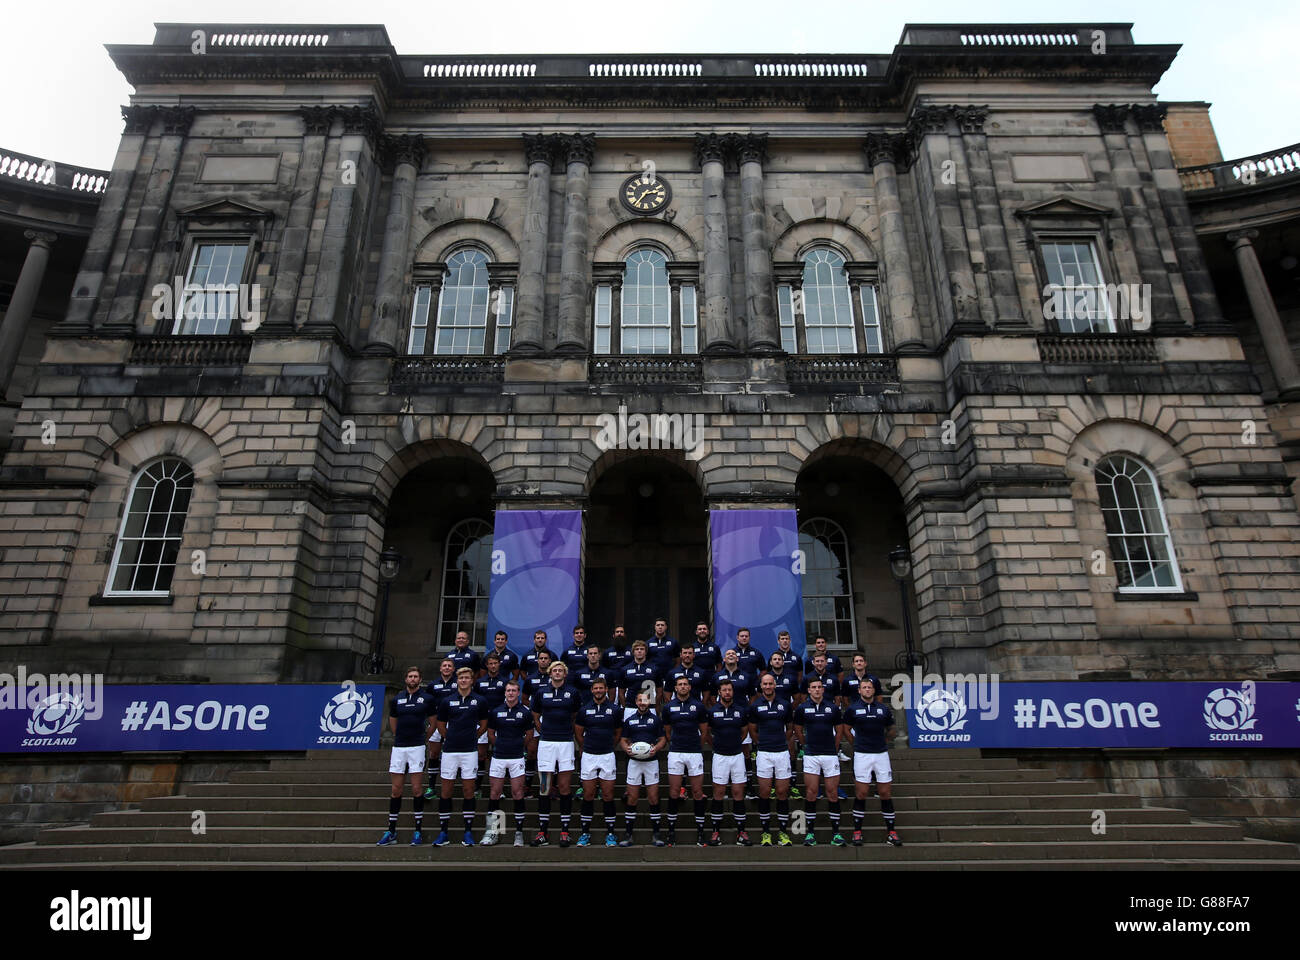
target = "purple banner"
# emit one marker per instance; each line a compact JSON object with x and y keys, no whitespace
{"x":536,"y":572}
{"x":754,"y":554}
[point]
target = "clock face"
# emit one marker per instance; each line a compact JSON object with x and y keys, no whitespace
{"x":642,"y":195}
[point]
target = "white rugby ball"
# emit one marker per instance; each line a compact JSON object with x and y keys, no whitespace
{"x":641,"y":751}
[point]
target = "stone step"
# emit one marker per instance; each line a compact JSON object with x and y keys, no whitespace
{"x":870,"y":853}
{"x":375,"y":817}
{"x":331,"y":834}
{"x":375,"y":802}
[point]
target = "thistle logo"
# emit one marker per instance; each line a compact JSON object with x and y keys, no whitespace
{"x":347,"y":713}
{"x":941,"y":710}
{"x":57,"y":714}
{"x":1232,"y":711}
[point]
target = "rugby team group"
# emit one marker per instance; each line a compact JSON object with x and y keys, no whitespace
{"x":757,"y":716}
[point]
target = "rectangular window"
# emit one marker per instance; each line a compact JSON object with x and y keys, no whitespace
{"x":871,"y":319}
{"x":504,"y":317}
{"x":785,"y":312}
{"x":462,"y":319}
{"x":419,"y":321}
{"x":604,"y":297}
{"x":216,"y":269}
{"x":1075,"y":287}
{"x":644,"y":321}
{"x":690,"y":320}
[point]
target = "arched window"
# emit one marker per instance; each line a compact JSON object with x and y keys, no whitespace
{"x":466,"y":577}
{"x":1140,"y":545}
{"x":653,"y":309}
{"x":827,"y":587}
{"x":144,"y":559}
{"x":472,"y":310}
{"x":817,"y":311}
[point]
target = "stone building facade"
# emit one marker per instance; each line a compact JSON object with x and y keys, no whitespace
{"x":847,"y":282}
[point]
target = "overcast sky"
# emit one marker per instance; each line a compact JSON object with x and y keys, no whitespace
{"x":62,"y":94}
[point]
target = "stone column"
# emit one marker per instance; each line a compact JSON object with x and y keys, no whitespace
{"x":530,"y":294}
{"x":988,"y":215}
{"x":19,"y":314}
{"x":361,"y":128}
{"x":407,"y":155}
{"x":281,"y":314}
{"x":764,"y":337}
{"x":578,"y":150}
{"x":882,"y":153}
{"x":125,"y":313}
{"x":1280,"y":355}
{"x":715,"y":316}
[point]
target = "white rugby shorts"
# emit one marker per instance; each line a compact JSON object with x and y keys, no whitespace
{"x":506,"y":769}
{"x":554,"y":756}
{"x":642,"y":772}
{"x":865,"y":764}
{"x":691,"y":764}
{"x":773,"y":765}
{"x":406,"y":760}
{"x":598,"y":766}
{"x":728,"y":769}
{"x":460,"y":766}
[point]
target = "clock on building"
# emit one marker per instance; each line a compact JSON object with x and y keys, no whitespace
{"x":643,"y":195}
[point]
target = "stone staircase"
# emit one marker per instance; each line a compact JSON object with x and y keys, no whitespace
{"x":956,"y":810}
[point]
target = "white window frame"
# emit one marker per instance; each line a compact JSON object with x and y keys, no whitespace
{"x":442,"y":585}
{"x":833,"y":646}
{"x":1122,"y":535}
{"x":227,"y":291}
{"x":109,"y":590}
{"x":1070,"y":291}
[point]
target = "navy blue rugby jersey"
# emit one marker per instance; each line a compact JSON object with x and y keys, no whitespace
{"x":684,"y":717}
{"x":634,"y":678}
{"x":830,"y":685}
{"x":411,"y":711}
{"x":849,"y":686}
{"x":787,"y":683}
{"x":600,"y":724}
{"x":727,"y":728}
{"x":662,"y":653}
{"x":528,"y":662}
{"x":492,"y":689}
{"x":708,"y":657}
{"x":868,"y":721}
{"x":770,"y":719}
{"x":832,"y":664}
{"x":614,"y":659}
{"x":743,"y":682}
{"x":645,"y":727}
{"x":575,"y":658}
{"x":509,"y":661}
{"x":511,"y":725}
{"x":583,"y":678}
{"x":698,"y":678}
{"x":791,"y":660}
{"x":462,"y":716}
{"x":556,"y":708}
{"x":819,"y":726}
{"x":440,"y":690}
{"x":466,"y":658}
{"x":749,"y":659}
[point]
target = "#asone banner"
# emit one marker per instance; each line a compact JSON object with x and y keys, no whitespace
{"x":755,"y":555}
{"x":972,"y":712}
{"x":536,"y":570}
{"x":196,"y":717}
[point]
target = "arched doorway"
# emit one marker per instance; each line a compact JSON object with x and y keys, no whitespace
{"x":647,"y":550}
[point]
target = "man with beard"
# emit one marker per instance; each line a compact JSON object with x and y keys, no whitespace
{"x":644,"y":725}
{"x":684,"y":721}
{"x":871,"y":727}
{"x":707,"y":655}
{"x":510,"y":735}
{"x":769,"y":725}
{"x":597,"y":726}
{"x":662,"y":649}
{"x":462,"y":719}
{"x":618,"y":654}
{"x":409,"y":719}
{"x":728,"y":724}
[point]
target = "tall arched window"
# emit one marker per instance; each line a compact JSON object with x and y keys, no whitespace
{"x":472,"y":313}
{"x":645,"y":305}
{"x":149,"y":541}
{"x":830,"y":307}
{"x":466,"y":577}
{"x":1140,"y":545}
{"x":827,"y":587}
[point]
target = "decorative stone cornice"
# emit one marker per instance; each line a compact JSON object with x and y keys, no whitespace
{"x":575,"y":147}
{"x":970,"y":119}
{"x":397,"y":150}
{"x":539,"y":148}
{"x":317,"y":120}
{"x":1150,"y":117}
{"x":887,"y":148}
{"x":176,"y":120}
{"x":749,"y":147}
{"x":712,"y":146}
{"x":1111,"y":117}
{"x":138,"y":119}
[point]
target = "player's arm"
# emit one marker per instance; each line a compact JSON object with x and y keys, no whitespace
{"x":392,"y":717}
{"x":579,"y":732}
{"x":624,"y":745}
{"x":705,"y":737}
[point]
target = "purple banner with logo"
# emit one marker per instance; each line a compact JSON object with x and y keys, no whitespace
{"x":754,"y":554}
{"x":536,"y":572}
{"x":976,"y":711}
{"x":95,"y":718}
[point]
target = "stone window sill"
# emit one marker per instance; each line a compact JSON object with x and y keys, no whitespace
{"x":103,"y":601}
{"x":1184,"y":597}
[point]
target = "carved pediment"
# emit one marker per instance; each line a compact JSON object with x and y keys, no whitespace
{"x":1065,"y":205}
{"x":223,"y":209}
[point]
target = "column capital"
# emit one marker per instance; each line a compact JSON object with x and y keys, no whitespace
{"x":396,"y":150}
{"x":138,"y":118}
{"x":539,"y":148}
{"x":1242,"y":238}
{"x":361,"y":121}
{"x":711,"y":147}
{"x":887,"y":148}
{"x":40,"y":238}
{"x":927,"y":119}
{"x":575,"y":147}
{"x":317,"y":120}
{"x":176,"y":120}
{"x":1111,"y":117}
{"x":970,"y":119}
{"x":750,"y":147}
{"x":1150,"y":117}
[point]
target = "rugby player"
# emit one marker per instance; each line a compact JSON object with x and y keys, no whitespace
{"x":574,"y":656}
{"x":728,"y":724}
{"x":744,"y":684}
{"x":462,"y":719}
{"x":528,"y":663}
{"x":540,"y":676}
{"x":590,"y":671}
{"x":707,"y":655}
{"x":463,"y":656}
{"x":787,"y":680}
{"x":509,"y":659}
{"x":409,"y":719}
{"x":662,"y":649}
{"x":510,"y":735}
{"x":832,"y":661}
{"x":699,"y":680}
{"x":491,"y":686}
{"x":749,"y":659}
{"x":870,"y":726}
{"x":643,"y":726}
{"x":849,"y":686}
{"x":617,"y":655}
{"x":553,"y":708}
{"x":788,"y":656}
{"x":684,"y":722}
{"x":817,"y":723}
{"x":769,"y":725}
{"x":597,"y":727}
{"x":637,"y":676}
{"x":439,"y":688}
{"x":820,"y":669}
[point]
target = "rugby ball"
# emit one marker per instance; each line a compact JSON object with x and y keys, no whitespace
{"x":641,"y":751}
